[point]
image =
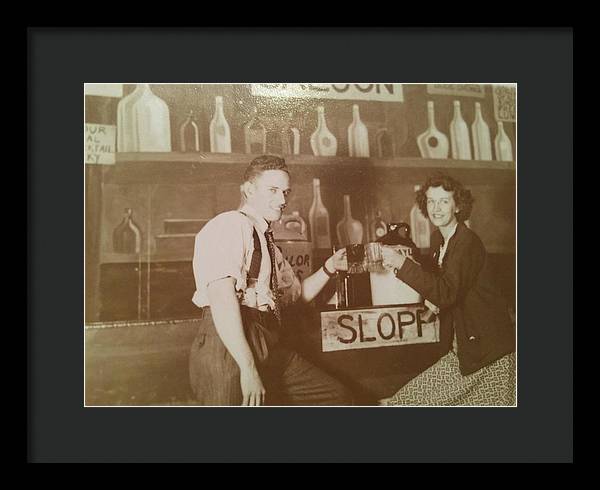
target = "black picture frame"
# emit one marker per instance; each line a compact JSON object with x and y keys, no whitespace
{"x":61,"y":429}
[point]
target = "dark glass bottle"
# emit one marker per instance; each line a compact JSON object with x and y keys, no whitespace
{"x":127,"y":237}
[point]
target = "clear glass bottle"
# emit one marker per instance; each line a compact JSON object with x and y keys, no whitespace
{"x":127,"y":236}
{"x":152,"y":122}
{"x":358,"y":136}
{"x":220,"y":133}
{"x":322,"y":141}
{"x":349,"y":230}
{"x":318,"y":218}
{"x":419,"y":225}
{"x":126,"y":123}
{"x":386,"y":146}
{"x":459,"y":135}
{"x":189,"y":135}
{"x":255,"y":134}
{"x":290,"y":138}
{"x":379,"y":227}
{"x":432,"y":143}
{"x":480,"y":131}
{"x":502,"y":145}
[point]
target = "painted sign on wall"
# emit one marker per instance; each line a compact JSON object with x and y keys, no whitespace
{"x":299,"y":256}
{"x":384,"y":92}
{"x":376,"y":327}
{"x":457,"y":89}
{"x":505,"y":102}
{"x":99,"y":143}
{"x":104,"y":89}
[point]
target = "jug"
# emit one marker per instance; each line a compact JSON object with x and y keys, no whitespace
{"x":291,"y":237}
{"x":386,"y":288}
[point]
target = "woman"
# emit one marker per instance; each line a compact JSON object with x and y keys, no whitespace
{"x":477,"y":335}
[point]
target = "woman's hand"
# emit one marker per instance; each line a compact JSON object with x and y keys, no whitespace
{"x":392,"y":259}
{"x":338,"y":261}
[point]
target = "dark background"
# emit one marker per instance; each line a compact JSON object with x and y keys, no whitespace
{"x":539,"y":429}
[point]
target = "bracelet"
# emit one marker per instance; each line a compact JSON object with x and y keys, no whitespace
{"x":330,"y":274}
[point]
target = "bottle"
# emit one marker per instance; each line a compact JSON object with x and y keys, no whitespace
{"x":459,"y":135}
{"x":220,"y":134}
{"x":386,"y":146}
{"x":502,"y":145}
{"x":358,"y":136}
{"x":322,"y":141}
{"x":255,"y":134}
{"x":379,"y":227}
{"x":432,"y":143}
{"x":152,"y":122}
{"x":290,"y":138}
{"x":126,"y":123}
{"x":127,"y":237}
{"x":349,"y":230}
{"x":482,"y":142}
{"x":419,"y":225}
{"x":189,"y":136}
{"x":318,"y":219}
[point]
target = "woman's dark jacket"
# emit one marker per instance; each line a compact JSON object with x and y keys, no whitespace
{"x":464,"y":290}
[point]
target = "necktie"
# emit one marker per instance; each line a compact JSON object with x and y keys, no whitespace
{"x":273,"y":285}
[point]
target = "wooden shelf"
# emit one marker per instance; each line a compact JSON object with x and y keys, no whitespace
{"x":198,"y":159}
{"x":114,"y":258}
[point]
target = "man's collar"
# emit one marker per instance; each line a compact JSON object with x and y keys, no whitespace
{"x":261,"y":224}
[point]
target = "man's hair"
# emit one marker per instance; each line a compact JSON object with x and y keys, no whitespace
{"x":263,"y":163}
{"x":462,"y":197}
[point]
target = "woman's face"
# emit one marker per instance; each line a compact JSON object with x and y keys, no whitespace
{"x":441,"y":206}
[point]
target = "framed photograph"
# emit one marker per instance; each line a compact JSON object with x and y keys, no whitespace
{"x":121,"y":315}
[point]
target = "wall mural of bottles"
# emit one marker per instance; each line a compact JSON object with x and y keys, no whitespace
{"x":339,"y":208}
{"x":228,"y":119}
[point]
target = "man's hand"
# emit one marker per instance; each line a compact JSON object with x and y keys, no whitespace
{"x":338,"y":261}
{"x":252,"y":388}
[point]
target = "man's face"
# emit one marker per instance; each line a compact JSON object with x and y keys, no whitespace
{"x":441,"y":206}
{"x":267,"y":194}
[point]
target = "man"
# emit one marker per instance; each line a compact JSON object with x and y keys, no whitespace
{"x":242,"y":282}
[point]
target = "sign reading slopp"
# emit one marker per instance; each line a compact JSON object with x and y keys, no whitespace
{"x":100,"y":142}
{"x":376,"y":327}
{"x":384,"y":92}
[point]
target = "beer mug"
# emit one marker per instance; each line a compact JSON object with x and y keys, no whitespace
{"x":355,"y":254}
{"x":373,"y":257}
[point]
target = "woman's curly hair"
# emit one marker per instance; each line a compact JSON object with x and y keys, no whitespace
{"x":462,"y":197}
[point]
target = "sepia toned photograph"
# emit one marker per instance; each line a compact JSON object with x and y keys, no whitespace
{"x":300,"y":245}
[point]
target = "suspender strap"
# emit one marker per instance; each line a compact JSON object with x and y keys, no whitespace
{"x":256,"y":254}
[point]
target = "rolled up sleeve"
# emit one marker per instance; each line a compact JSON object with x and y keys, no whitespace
{"x":219,"y":252}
